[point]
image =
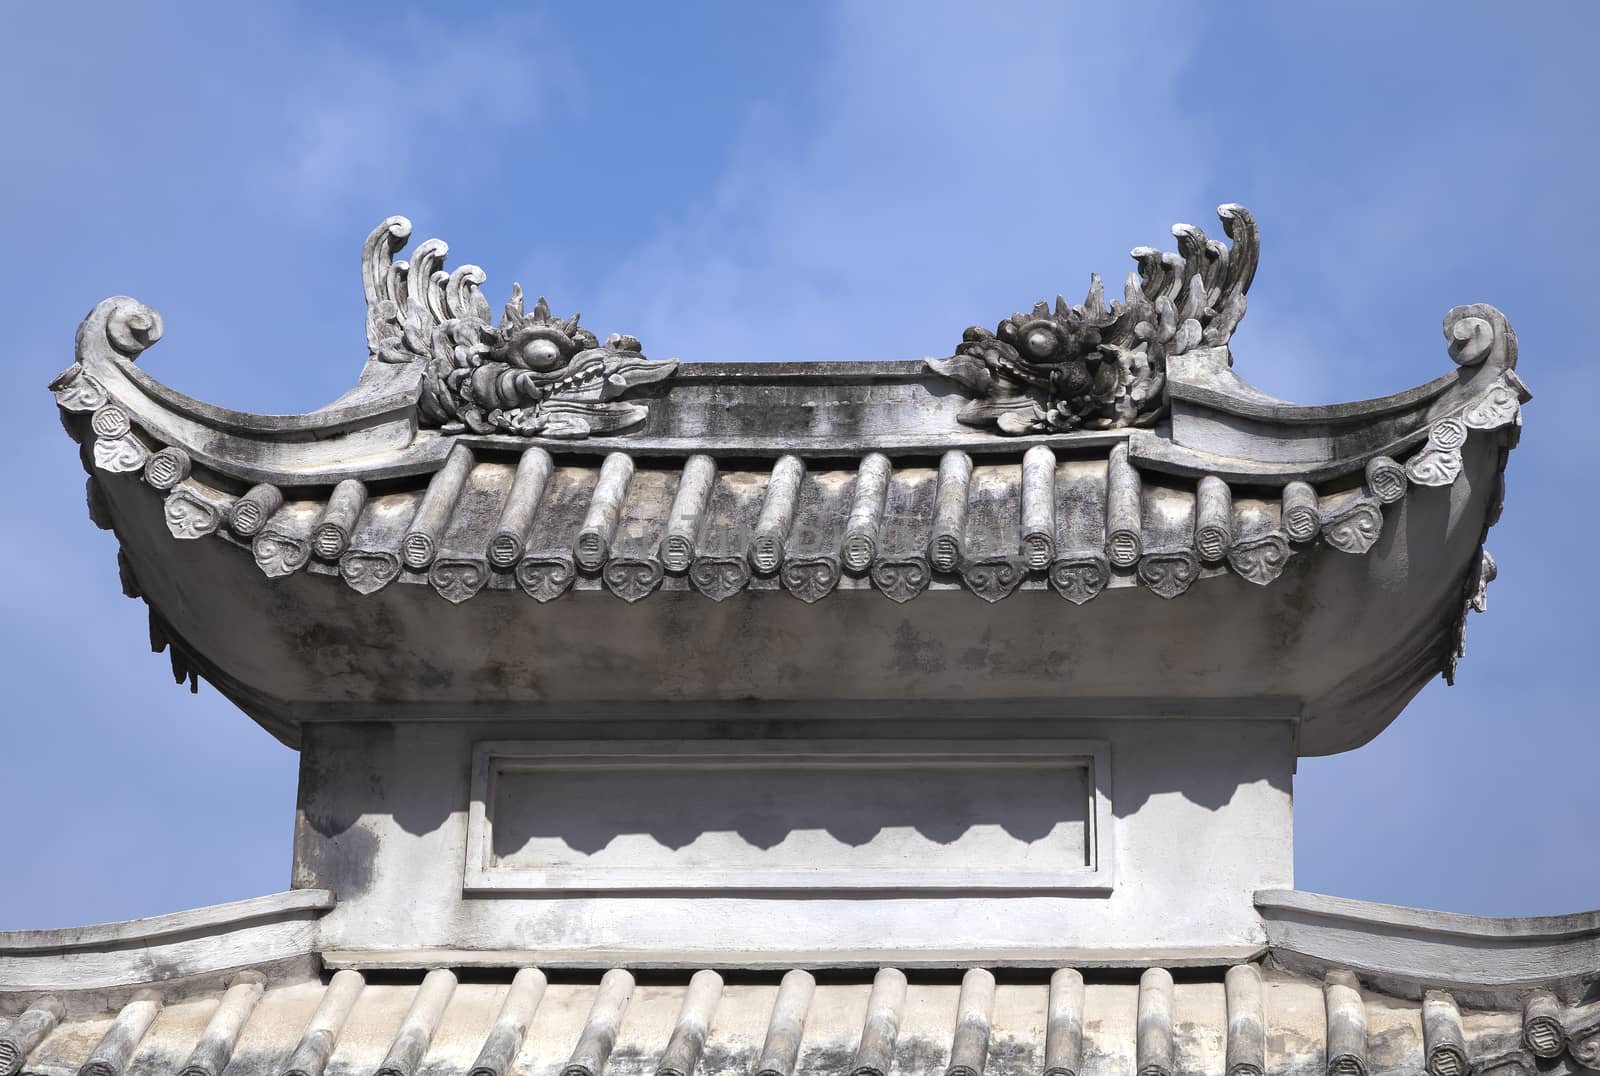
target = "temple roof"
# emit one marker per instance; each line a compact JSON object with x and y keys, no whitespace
{"x":1244,"y":1022}
{"x":1075,"y":452}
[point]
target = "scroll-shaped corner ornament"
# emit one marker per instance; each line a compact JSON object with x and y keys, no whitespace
{"x":124,"y":324}
{"x":76,"y":390}
{"x":1497,"y":407}
{"x":1093,"y":367}
{"x":1478,"y":333}
{"x":532,"y":375}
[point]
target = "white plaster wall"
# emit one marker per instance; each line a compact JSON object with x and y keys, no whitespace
{"x":1202,"y":816}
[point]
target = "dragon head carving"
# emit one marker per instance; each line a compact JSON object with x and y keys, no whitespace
{"x":534,"y":374}
{"x":1090,"y":366}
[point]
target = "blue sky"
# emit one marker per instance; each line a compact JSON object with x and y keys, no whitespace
{"x":833,"y":181}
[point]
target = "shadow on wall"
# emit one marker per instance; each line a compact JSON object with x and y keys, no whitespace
{"x":765,"y":806}
{"x":418,"y":776}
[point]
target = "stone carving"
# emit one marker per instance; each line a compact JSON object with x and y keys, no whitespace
{"x":869,"y":499}
{"x":111,"y":422}
{"x":1476,"y":599}
{"x":1434,"y":466}
{"x":1089,"y":366}
{"x":950,"y":511}
{"x":676,"y":549}
{"x":77,"y":391}
{"x":778,"y":508}
{"x":1517,"y":1062}
{"x":719,"y":578}
{"x":1444,"y":1045}
{"x":1124,"y":510}
{"x":1439,"y":462}
{"x":1386,"y":479}
{"x":1246,"y":1038}
{"x":1542,"y":1032}
{"x":458,"y":578}
{"x":1355,"y":529}
{"x":1079,"y":577}
{"x":1213,"y":519}
{"x":1583,"y":1042}
{"x":534,"y":374}
{"x":901,"y":578}
{"x":1482,"y":576}
{"x":1347,"y":1025}
{"x":545,"y":578}
{"x":132,"y":328}
{"x":1261,"y":558}
{"x":331,"y":534}
{"x":251,"y":512}
{"x":1169,"y":573}
{"x":120,"y":455}
{"x":368,"y":571}
{"x":593,"y":542}
{"x":632,"y":578}
{"x":278,"y":554}
{"x":1495,"y":408}
{"x":1449,"y":434}
{"x":189,"y":515}
{"x":167,"y":468}
{"x":1477,"y":331}
{"x":1300,"y":514}
{"x":809,"y":578}
{"x":992,"y":578}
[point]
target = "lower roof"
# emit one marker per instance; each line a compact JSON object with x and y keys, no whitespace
{"x":1245,"y":1021}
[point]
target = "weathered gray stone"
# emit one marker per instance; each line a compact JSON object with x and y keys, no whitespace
{"x":837,"y":782}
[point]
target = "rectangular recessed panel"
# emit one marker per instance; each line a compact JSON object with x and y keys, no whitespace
{"x":856,"y":815}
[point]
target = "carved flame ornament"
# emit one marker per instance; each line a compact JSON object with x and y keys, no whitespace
{"x":1094,"y":367}
{"x":534,"y":374}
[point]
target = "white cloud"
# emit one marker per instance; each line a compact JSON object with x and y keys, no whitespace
{"x":422,"y":107}
{"x":957,"y":169}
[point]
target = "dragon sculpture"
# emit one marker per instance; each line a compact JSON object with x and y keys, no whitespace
{"x":1093,"y":367}
{"x":533,"y":374}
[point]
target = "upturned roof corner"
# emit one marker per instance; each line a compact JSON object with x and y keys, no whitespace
{"x":1079,"y":449}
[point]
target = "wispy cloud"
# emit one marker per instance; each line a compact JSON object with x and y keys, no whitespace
{"x":426,"y":107}
{"x":950,"y":168}
{"x":859,"y":181}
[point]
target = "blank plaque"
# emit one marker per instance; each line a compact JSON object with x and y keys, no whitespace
{"x":889,"y":815}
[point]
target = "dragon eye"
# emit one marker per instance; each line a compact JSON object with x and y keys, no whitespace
{"x":1041,"y":342}
{"x":540,"y":354}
